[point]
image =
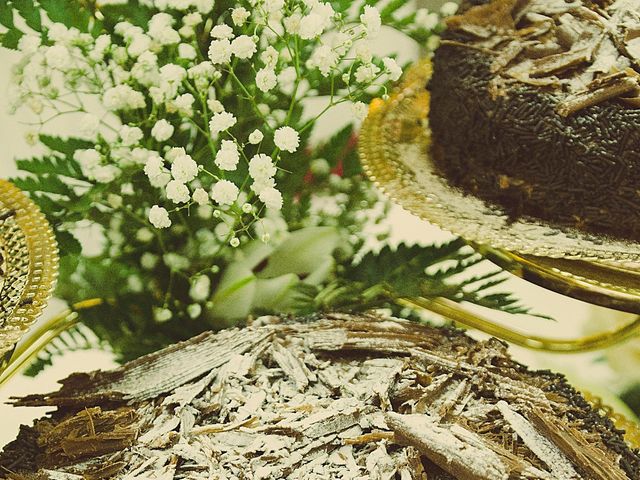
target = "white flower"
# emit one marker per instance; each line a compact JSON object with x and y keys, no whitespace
{"x":184,"y":168}
{"x":158,"y":175}
{"x":271,"y":197}
{"x":228,"y":156}
{"x":220,"y":51}
{"x":182,"y":104}
{"x":88,"y":160}
{"x":175,"y":261}
{"x":319,"y":19}
{"x":177,"y":192}
{"x":106,"y":173}
{"x":366,"y":73}
{"x":144,"y":235}
{"x":100,"y":46}
{"x":243,"y":47}
{"x":200,"y":288}
{"x":123,"y":97}
{"x":162,"y":315}
{"x":194,"y":310}
{"x":433,"y":42}
{"x":234,"y":242}
{"x":324,"y":58}
{"x":371,"y":21}
{"x":363,"y":51}
{"x":261,"y":167}
{"x":200,"y":196}
{"x":148,"y":260}
{"x":221,"y":32}
{"x":270,"y":57}
{"x":28,"y":44}
{"x":172,"y":73}
{"x":287,"y":139}
{"x":221,"y":121}
{"x":145,"y":70}
{"x":192,"y":19}
{"x":360,"y":110}
{"x":292,"y":23}
{"x":255,"y":137}
{"x":426,"y":19}
{"x":224,"y":192}
{"x":174,"y":153}
{"x":259,"y":185}
{"x":162,"y":130}
{"x":186,"y":51}
{"x":266,"y":79}
{"x":58,"y":57}
{"x":239,"y":16}
{"x":394,"y":70}
{"x":160,"y":29}
{"x":130,"y":135}
{"x":448,"y":9}
{"x":140,"y":43}
{"x":89,"y":125}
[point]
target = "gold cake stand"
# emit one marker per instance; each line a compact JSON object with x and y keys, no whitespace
{"x":394,"y":149}
{"x":28,"y":267}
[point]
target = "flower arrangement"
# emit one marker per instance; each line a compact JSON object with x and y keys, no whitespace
{"x":195,"y":160}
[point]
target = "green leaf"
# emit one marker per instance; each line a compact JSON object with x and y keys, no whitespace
{"x":50,"y":165}
{"x":65,"y":145}
{"x":11,"y":38}
{"x":6,"y":14}
{"x":67,"y":243}
{"x":71,"y":13}
{"x":43,"y":183}
{"x":30,"y":12}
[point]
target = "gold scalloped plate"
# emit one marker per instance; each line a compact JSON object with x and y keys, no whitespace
{"x":28,"y":265}
{"x":394,"y":149}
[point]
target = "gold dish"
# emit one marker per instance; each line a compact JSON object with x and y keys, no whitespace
{"x":28,"y":266}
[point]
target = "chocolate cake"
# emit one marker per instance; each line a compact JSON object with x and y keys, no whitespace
{"x":535,"y":107}
{"x":333,"y":396}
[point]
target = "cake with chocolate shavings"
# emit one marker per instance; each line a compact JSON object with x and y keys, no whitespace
{"x":338,"y":397}
{"x":535,"y":107}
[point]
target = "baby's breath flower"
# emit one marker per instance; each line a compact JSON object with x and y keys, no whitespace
{"x":261,"y":167}
{"x":200,"y":196}
{"x":184,"y":168}
{"x":247,"y":208}
{"x":363,"y":51}
{"x":292,"y":23}
{"x":234,"y":242}
{"x":228,"y":156}
{"x":162,"y":315}
{"x":144,"y":235}
{"x":448,"y":9}
{"x":393,"y":69}
{"x":366,"y":73}
{"x":162,"y":130}
{"x":106,"y":173}
{"x":324,"y":58}
{"x":159,"y":217}
{"x":243,"y":47}
{"x":221,"y":121}
{"x":148,"y":261}
{"x":192,"y":19}
{"x":287,"y":139}
{"x":224,"y":192}
{"x":89,"y":125}
{"x":271,"y":197}
{"x":177,"y":192}
{"x":130,"y":135}
{"x":186,"y":51}
{"x":194,"y":310}
{"x":58,"y":57}
{"x":220,"y":51}
{"x":266,"y":79}
{"x":222,"y":32}
{"x":360,"y":110}
{"x":255,"y":137}
{"x":371,"y":21}
{"x":123,"y":97}
{"x":200,"y":288}
{"x":239,"y":16}
{"x":426,"y":19}
{"x":270,"y":57}
{"x":214,"y":105}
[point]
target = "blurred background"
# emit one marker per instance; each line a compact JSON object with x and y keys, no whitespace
{"x":603,"y":373}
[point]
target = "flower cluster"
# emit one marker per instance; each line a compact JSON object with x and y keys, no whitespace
{"x":194,"y":129}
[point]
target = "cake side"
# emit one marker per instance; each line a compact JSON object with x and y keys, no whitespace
{"x":344,"y":396}
{"x":531,"y":143}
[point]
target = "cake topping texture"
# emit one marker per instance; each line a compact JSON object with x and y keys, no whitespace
{"x":586,"y":52}
{"x":335,"y":396}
